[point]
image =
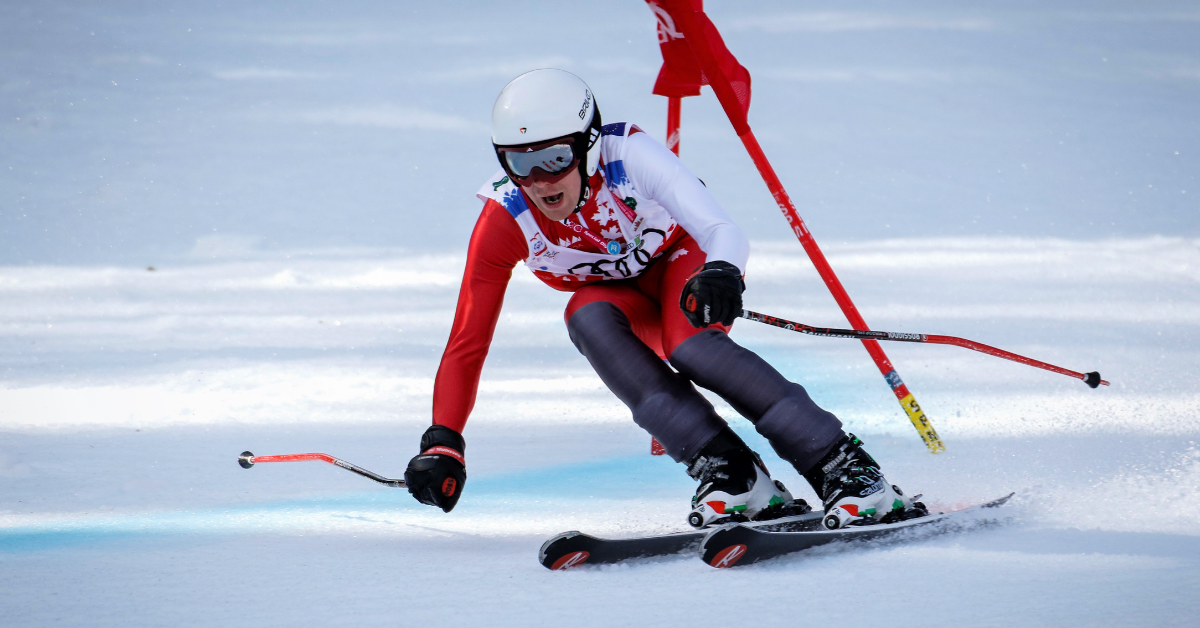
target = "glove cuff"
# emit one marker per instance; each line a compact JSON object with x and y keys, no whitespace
{"x":440,"y":436}
{"x":721,"y":265}
{"x":444,"y":451}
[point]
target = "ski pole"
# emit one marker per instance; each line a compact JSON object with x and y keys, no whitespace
{"x":1091,"y":379}
{"x":248,"y":459}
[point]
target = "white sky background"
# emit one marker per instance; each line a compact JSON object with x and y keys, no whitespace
{"x":131,"y":131}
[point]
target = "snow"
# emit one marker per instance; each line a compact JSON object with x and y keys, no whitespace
{"x":268,"y":259}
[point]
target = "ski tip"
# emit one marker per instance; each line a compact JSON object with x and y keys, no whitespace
{"x":999,"y":502}
{"x":561,"y":536}
{"x":547,"y":554}
{"x":246,"y":459}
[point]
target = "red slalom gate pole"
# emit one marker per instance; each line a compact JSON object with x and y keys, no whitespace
{"x":685,"y":16}
{"x":673,"y":109}
{"x":248,"y":459}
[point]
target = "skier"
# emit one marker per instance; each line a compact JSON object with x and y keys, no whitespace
{"x":655,"y":265}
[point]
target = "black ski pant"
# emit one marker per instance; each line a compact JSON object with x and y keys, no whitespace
{"x":667,"y":405}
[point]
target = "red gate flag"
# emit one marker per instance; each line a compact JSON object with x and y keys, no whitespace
{"x":681,"y":74}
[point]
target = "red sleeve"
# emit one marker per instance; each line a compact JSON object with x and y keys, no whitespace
{"x":497,"y":245}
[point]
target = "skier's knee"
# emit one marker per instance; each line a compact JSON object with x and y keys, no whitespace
{"x":696,"y":353}
{"x":681,"y":420}
{"x":595,"y":322}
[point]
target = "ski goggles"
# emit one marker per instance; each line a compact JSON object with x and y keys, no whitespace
{"x":554,"y":159}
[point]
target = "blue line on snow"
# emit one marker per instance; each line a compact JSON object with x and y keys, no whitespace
{"x":613,"y":478}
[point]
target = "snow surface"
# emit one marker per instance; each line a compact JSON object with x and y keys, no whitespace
{"x":1014,"y":173}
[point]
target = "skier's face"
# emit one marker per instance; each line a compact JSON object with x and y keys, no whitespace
{"x":556,"y":200}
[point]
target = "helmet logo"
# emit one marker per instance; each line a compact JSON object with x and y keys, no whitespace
{"x":523,"y":129}
{"x":587,"y":100}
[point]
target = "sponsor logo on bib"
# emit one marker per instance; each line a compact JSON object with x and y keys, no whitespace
{"x":537,"y":244}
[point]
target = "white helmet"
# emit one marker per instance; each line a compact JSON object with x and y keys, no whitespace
{"x":545,"y":105}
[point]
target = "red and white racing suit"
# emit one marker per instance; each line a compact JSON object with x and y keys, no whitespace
{"x":647,"y":226}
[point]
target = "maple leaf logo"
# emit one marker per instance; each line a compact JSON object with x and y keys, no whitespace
{"x":604,"y":213}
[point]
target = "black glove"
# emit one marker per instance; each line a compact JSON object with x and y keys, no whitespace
{"x":713,"y":295}
{"x":436,"y":475}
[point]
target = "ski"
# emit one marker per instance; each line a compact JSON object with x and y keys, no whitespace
{"x":731,"y":545}
{"x":571,"y":549}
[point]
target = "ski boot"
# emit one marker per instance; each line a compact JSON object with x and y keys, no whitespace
{"x":854,"y":491}
{"x":735,"y":486}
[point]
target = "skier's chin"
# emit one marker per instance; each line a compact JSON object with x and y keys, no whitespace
{"x":555,"y":200}
{"x":556,"y":205}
